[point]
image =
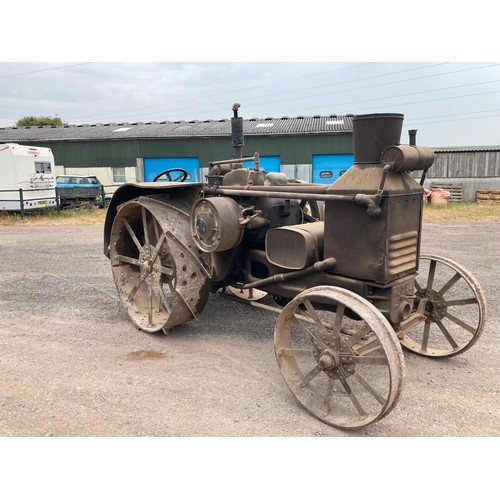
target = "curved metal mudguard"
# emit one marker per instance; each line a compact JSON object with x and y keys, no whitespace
{"x":186,"y":192}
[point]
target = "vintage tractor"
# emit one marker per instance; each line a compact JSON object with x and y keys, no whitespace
{"x":342,"y":262}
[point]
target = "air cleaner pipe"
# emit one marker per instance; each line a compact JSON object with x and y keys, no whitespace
{"x":215,"y":190}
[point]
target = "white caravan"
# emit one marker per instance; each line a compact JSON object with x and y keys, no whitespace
{"x":27,"y":178}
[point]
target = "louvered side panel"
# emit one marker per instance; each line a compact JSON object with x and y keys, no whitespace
{"x":402,"y":254}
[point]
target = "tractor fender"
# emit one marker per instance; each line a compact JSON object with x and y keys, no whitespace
{"x":185,"y":192}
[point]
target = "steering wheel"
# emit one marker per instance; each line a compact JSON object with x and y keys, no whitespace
{"x":174,"y":175}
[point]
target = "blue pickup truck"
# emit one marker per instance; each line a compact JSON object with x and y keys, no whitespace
{"x":77,"y":190}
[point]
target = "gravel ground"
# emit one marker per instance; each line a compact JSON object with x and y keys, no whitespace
{"x":72,"y":363}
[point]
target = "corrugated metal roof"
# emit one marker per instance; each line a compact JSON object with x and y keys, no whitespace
{"x":337,"y":124}
{"x":465,"y":149}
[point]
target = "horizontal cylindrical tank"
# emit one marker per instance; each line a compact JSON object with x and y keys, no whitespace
{"x":408,"y":158}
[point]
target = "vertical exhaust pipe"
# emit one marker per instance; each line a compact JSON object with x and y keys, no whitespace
{"x":413,"y":137}
{"x":237,"y":132}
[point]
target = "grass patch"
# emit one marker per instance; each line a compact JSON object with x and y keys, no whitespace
{"x":52,"y":217}
{"x":432,"y":212}
{"x":461,"y":211}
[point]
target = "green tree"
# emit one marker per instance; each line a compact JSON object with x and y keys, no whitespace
{"x":33,"y":121}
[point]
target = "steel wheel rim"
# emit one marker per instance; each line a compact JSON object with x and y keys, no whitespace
{"x":161,"y":277}
{"x":143,"y":269}
{"x":455,"y":312}
{"x":345,"y":375}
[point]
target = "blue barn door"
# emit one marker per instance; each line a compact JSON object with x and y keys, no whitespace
{"x":328,"y":168}
{"x":267,"y":163}
{"x":153,"y":166}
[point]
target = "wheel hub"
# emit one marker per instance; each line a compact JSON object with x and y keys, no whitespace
{"x":146,"y":262}
{"x":435,"y":308}
{"x":328,"y":359}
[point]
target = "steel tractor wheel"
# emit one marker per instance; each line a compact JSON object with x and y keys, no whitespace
{"x":160,"y":275}
{"x":452,"y":306}
{"x":339,"y":356}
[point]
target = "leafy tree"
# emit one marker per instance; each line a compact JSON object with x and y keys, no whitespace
{"x":33,"y":121}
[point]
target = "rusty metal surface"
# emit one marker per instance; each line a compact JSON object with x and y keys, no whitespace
{"x":347,"y":373}
{"x":160,"y":275}
{"x":450,"y":310}
{"x":347,"y":275}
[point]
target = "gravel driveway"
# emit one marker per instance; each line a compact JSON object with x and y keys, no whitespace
{"x":72,"y":363}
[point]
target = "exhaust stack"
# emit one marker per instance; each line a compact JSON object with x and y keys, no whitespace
{"x":237,"y":132}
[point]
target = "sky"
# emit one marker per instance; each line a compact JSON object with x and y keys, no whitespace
{"x":449,"y":103}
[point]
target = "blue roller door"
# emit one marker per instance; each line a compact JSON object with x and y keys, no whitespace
{"x":328,"y":168}
{"x":267,"y":163}
{"x":153,"y":166}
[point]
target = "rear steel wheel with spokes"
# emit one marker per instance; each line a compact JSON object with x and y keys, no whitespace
{"x":159,"y":273}
{"x":339,"y":356}
{"x":453,"y":307}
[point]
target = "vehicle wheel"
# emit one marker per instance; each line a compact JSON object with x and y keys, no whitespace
{"x":339,"y":356}
{"x":454,"y":313}
{"x":160,"y":275}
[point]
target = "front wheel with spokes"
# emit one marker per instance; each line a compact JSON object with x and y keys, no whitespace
{"x":159,"y":273}
{"x":339,"y":356}
{"x":453,"y":308}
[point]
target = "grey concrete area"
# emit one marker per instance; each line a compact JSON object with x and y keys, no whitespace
{"x":73,"y":364}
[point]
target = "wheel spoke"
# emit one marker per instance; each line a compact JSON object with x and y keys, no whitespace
{"x":459,"y":322}
{"x":314,"y":315}
{"x":150,"y":303}
{"x":369,"y":388}
{"x":133,"y":236}
{"x":139,"y":282}
{"x":155,"y":226}
{"x":293,"y":351}
{"x":164,"y":270}
{"x":447,"y":335}
{"x":341,"y":376}
{"x":145,"y":226}
{"x":461,"y":302}
{"x":425,"y":337}
{"x":328,"y":398}
{"x":164,"y":299}
{"x":128,"y":260}
{"x":339,"y":316}
{"x":157,"y":247}
{"x":307,"y":333}
{"x":313,"y":373}
{"x":418,"y":287}
{"x":449,"y":283}
{"x":362,"y":332}
{"x":430,"y":277}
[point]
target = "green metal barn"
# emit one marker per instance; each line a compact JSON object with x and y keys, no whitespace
{"x":302,"y":147}
{"x":313,"y":148}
